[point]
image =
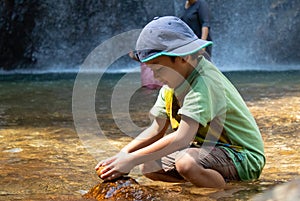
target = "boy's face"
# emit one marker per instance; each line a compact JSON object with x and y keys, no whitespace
{"x":171,"y":73}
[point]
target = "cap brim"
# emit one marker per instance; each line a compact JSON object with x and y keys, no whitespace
{"x":187,"y":49}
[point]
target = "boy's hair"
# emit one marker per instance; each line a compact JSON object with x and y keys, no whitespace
{"x":194,"y":55}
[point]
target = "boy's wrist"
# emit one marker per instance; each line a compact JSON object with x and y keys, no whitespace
{"x":124,"y":150}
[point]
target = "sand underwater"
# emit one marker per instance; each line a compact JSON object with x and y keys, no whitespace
{"x":43,"y":158}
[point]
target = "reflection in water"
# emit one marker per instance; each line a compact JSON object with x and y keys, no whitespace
{"x":42,"y":157}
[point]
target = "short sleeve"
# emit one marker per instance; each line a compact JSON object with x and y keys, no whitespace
{"x":159,"y":108}
{"x":196,"y":104}
{"x":204,"y":14}
{"x":205,"y":101}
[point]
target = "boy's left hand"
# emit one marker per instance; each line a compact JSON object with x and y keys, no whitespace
{"x":114,"y":167}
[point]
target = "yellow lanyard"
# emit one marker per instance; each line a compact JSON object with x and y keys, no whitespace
{"x":174,"y":118}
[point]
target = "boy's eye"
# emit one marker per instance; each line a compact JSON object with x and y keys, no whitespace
{"x":157,"y":69}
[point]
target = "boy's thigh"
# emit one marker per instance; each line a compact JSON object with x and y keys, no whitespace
{"x":214,"y":158}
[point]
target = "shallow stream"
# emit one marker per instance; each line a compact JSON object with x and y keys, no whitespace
{"x":44,"y":158}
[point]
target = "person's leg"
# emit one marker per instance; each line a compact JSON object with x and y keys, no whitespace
{"x":162,"y":170}
{"x":201,"y":167}
{"x":161,"y":175}
{"x":206,"y":168}
{"x":188,"y":168}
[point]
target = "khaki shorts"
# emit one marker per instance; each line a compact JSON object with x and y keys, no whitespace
{"x":214,"y":158}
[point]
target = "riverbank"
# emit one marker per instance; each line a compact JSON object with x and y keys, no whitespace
{"x":43,"y":158}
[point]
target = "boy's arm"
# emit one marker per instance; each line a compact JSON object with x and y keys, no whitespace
{"x":153,"y":133}
{"x":168,"y":144}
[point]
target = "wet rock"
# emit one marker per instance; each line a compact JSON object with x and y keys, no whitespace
{"x":124,"y":188}
{"x":45,"y":34}
{"x":288,"y":192}
{"x":17,"y":21}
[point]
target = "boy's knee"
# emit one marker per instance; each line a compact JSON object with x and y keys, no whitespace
{"x":182,"y":166}
{"x":185,"y":165}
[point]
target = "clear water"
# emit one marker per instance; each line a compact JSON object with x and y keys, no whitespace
{"x":44,"y":158}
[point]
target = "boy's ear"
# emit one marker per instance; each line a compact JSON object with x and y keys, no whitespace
{"x":182,"y":58}
{"x":186,"y":58}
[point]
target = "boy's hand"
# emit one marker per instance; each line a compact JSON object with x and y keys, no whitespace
{"x":99,"y":170}
{"x":100,"y":167}
{"x":114,"y":167}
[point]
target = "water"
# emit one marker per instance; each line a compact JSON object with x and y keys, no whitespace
{"x":44,"y":158}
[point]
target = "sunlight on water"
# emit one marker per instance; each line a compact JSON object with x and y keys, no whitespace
{"x":42,"y":157}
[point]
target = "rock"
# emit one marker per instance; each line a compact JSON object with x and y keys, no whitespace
{"x":45,"y":34}
{"x":123,"y":188}
{"x":287,"y":192}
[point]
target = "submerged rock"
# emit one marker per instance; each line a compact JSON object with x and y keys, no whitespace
{"x":123,"y":188}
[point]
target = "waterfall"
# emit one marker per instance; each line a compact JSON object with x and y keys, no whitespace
{"x":60,"y":34}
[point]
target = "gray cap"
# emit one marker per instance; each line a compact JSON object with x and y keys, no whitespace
{"x":168,"y":36}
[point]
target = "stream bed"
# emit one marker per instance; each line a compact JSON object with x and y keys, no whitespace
{"x":43,"y":156}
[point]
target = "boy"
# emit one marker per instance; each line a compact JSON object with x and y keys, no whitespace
{"x":215,"y":138}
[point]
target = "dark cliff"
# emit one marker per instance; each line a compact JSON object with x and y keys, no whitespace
{"x":42,"y":34}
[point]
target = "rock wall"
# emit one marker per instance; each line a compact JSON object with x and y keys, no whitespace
{"x":43,"y":34}
{"x":256,"y":32}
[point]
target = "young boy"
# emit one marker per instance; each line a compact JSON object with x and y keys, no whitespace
{"x":215,"y":138}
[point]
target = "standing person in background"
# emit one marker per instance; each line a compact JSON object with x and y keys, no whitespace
{"x":197,"y":15}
